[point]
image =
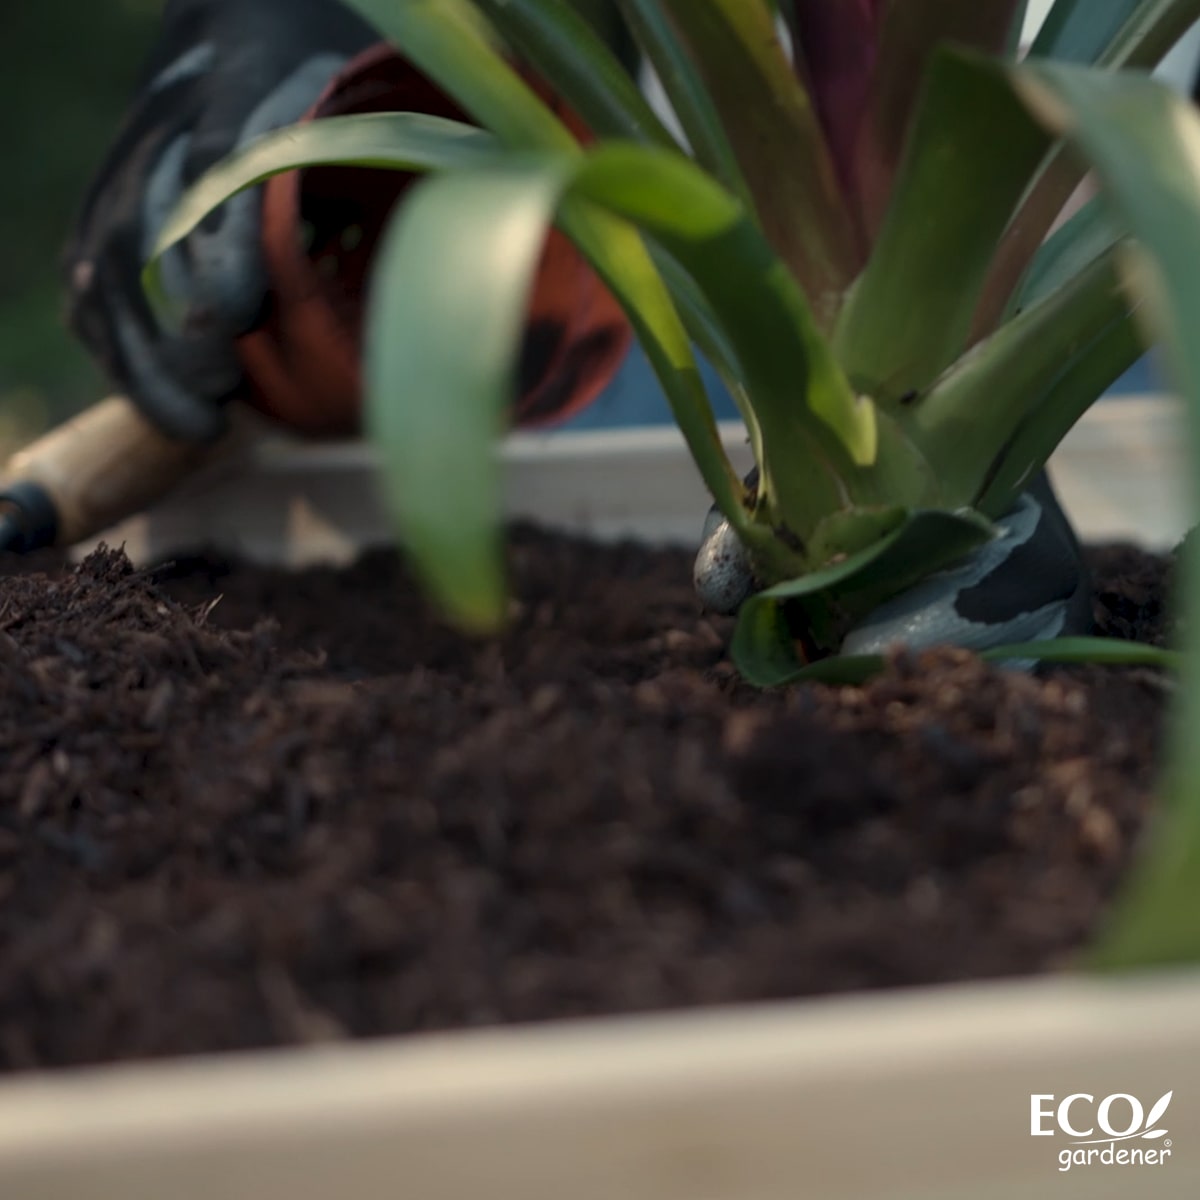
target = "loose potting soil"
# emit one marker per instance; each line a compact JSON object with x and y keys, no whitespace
{"x":244,"y":807}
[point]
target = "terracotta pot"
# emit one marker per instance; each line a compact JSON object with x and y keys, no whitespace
{"x":303,"y":362}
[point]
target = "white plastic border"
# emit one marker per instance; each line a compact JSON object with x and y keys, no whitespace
{"x":1119,"y":473}
{"x":914,"y":1094}
{"x":922,"y":1093}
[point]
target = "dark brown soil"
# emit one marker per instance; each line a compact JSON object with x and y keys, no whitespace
{"x":309,"y":812}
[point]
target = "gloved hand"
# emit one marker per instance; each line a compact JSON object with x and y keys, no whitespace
{"x":223,"y":73}
{"x":1028,"y":583}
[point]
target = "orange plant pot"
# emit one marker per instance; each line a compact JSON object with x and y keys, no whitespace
{"x":320,"y":229}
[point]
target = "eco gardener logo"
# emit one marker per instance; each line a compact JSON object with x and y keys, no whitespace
{"x":1115,"y":1131}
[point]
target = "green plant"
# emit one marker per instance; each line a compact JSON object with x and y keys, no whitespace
{"x":855,"y":243}
{"x":858,"y":243}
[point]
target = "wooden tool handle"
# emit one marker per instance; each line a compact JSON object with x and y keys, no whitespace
{"x":102,"y":466}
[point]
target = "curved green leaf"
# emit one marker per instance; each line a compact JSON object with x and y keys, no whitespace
{"x":416,"y":142}
{"x":1150,"y":32}
{"x":617,"y":252}
{"x":1096,"y":651}
{"x":763,"y":648}
{"x":439,"y":360}
{"x":690,"y":102}
{"x":449,"y":41}
{"x":909,"y":315}
{"x":571,"y":57}
{"x":1091,"y":33}
{"x":778,"y":142}
{"x":927,"y":541}
{"x":978,"y":406}
{"x":1084,"y":378}
{"x":705,"y":330}
{"x":400,"y":141}
{"x":595,"y":198}
{"x":854,"y":670}
{"x":912,"y":31}
{"x":1081,"y":30}
{"x":804,"y":406}
{"x":1113,"y":33}
{"x":1016,"y":29}
{"x":1079,"y":241}
{"x":439,"y":363}
{"x":1143,"y":141}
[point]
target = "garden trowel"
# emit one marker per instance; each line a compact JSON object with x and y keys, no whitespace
{"x":89,"y":473}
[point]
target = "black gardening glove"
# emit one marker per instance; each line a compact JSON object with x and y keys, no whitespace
{"x":1028,"y":583}
{"x":223,"y":72}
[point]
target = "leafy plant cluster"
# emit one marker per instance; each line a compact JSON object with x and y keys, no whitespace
{"x":857,"y":235}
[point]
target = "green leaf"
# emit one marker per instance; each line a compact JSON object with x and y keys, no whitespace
{"x":691,"y":103}
{"x":775,"y":134}
{"x":565,"y":49}
{"x":1090,"y":32}
{"x":1150,"y":32}
{"x":440,"y":357}
{"x":1081,"y":30}
{"x":850,"y":530}
{"x":1073,"y":247}
{"x":909,"y":315}
{"x":1085,"y":377}
{"x":803,"y":404}
{"x":471,"y":385}
{"x":1016,"y":29}
{"x":619,"y":256}
{"x":856,"y":669}
{"x":977,"y":407}
{"x":444,"y":38}
{"x":1079,"y":241}
{"x":705,"y":330}
{"x":927,"y":541}
{"x":401,"y":141}
{"x":912,"y":31}
{"x":1143,"y":141}
{"x":449,"y":41}
{"x":763,"y":646}
{"x":1113,"y":33}
{"x":439,"y":366}
{"x":1100,"y":652}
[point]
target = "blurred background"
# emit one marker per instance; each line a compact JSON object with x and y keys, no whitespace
{"x":69,"y":69}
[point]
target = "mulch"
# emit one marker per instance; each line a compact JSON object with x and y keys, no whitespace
{"x":243,"y":807}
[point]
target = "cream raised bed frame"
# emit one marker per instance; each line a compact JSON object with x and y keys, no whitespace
{"x":921,"y":1093}
{"x":1119,"y":474}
